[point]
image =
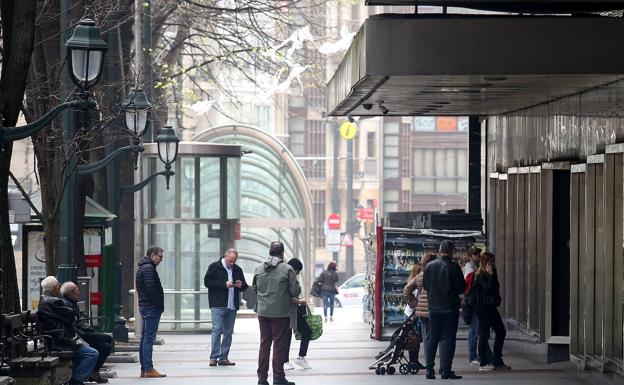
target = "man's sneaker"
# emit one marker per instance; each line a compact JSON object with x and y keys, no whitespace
{"x":288,"y":366}
{"x":302,"y":363}
{"x":474,"y":362}
{"x":212,"y":362}
{"x":430,"y":375}
{"x":486,"y":368}
{"x":502,"y":366}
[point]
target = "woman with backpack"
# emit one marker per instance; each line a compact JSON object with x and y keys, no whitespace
{"x":298,"y":322}
{"x":484,"y":296}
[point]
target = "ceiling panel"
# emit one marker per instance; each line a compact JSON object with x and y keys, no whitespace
{"x":476,"y":66}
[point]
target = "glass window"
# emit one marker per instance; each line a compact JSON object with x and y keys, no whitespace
{"x":187,"y":187}
{"x":233,"y":188}
{"x":428,"y":162}
{"x":391,"y":195}
{"x":391,"y":168}
{"x":355,"y":282}
{"x":418,"y":157}
{"x":440,"y":162}
{"x":423,"y":186}
{"x":209,"y":180}
{"x":446,"y":186}
{"x":371,"y":145}
{"x":451,"y":162}
{"x":462,"y":165}
{"x":462,"y":186}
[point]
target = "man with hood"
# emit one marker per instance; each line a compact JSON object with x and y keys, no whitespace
{"x":151,"y":307}
{"x":276,"y":285}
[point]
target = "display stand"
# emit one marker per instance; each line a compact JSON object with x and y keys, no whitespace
{"x":396,"y":251}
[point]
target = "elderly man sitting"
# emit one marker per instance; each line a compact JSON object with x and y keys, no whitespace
{"x":101,"y":342}
{"x":58,"y":320}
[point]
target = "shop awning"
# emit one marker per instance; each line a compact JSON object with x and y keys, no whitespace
{"x":535,"y":6}
{"x":474,"y":65}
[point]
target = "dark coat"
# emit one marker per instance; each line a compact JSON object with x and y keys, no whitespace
{"x":444,"y":282}
{"x":215,"y":279}
{"x":485,"y":291}
{"x":82,"y":323}
{"x":56,"y":320}
{"x":328,"y":280}
{"x":148,"y":286}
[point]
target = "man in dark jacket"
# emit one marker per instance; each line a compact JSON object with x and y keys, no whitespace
{"x":57,"y":320}
{"x":101,"y":342}
{"x":444,"y":282}
{"x":224,"y":280}
{"x":151,"y":307}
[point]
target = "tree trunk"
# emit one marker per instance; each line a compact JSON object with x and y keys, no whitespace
{"x":18,"y":28}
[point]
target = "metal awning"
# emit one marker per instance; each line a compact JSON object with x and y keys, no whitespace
{"x":474,"y":65}
{"x":527,"y":6}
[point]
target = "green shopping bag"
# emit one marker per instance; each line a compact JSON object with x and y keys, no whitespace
{"x":315,"y":322}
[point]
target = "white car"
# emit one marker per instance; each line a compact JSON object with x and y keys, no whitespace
{"x":351,"y":292}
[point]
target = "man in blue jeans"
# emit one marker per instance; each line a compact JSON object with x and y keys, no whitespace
{"x":225,"y":281}
{"x":444,"y":282}
{"x":151,"y":307}
{"x":58,"y":321}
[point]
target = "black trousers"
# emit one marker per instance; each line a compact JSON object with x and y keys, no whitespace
{"x":489,"y":318}
{"x":101,"y":342}
{"x":306,"y":334}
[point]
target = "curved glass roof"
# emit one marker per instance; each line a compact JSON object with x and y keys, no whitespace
{"x":273,"y":187}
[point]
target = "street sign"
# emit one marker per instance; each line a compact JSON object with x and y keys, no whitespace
{"x":333,"y":221}
{"x":332,"y":241}
{"x":365,"y":214}
{"x":348,"y":130}
{"x":346,"y":240}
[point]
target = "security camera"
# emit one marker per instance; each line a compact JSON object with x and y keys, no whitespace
{"x":367,"y":106}
{"x":383,"y":108}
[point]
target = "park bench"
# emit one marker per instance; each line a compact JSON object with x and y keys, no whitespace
{"x":25,"y":355}
{"x":63,"y":369}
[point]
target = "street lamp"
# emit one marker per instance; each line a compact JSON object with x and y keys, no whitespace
{"x":167,"y":141}
{"x":137,"y":109}
{"x":86,"y":53}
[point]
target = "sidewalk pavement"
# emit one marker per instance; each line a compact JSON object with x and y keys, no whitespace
{"x":340,"y":357}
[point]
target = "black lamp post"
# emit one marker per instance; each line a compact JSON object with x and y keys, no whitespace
{"x":167,"y":141}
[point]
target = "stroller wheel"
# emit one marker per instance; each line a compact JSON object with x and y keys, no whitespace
{"x":391,"y":370}
{"x":404,"y":369}
{"x":378,"y":371}
{"x":413,"y":368}
{"x":382,"y":370}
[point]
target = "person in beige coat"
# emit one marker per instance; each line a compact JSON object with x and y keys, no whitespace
{"x":422,"y":304}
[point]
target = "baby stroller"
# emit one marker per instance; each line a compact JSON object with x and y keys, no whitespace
{"x":404,"y":339}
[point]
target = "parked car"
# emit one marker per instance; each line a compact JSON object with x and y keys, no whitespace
{"x":352,"y":291}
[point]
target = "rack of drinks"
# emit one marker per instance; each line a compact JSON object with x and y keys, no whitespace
{"x":398,"y":251}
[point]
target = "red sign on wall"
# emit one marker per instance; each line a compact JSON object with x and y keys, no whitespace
{"x":93,"y":261}
{"x":365,"y":214}
{"x":333,"y":221}
{"x":96,"y":298}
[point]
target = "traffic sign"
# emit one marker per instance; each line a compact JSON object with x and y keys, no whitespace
{"x":347,"y":240}
{"x":333,"y":221}
{"x":348,"y":130}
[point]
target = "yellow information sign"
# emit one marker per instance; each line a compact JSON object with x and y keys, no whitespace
{"x":348,"y":130}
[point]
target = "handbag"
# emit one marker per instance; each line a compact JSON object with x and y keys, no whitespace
{"x":315,"y":291}
{"x":414,"y":338}
{"x":315,"y":322}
